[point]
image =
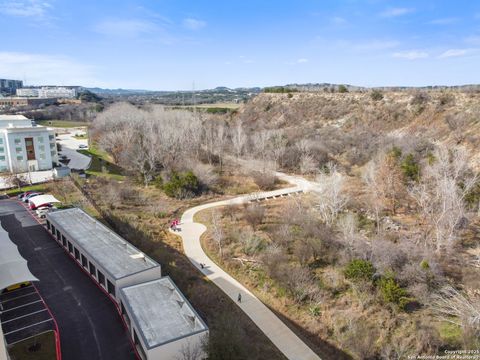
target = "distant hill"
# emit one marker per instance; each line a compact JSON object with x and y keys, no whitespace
{"x":187,"y":97}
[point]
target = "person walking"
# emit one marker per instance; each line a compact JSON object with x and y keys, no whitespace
{"x":239,"y":299}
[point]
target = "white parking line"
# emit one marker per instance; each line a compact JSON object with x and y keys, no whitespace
{"x":19,"y":317}
{"x":26,"y":327}
{"x":18,"y":307}
{"x":18,"y":297}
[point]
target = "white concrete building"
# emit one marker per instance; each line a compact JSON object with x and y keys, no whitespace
{"x":57,"y":92}
{"x":25,"y":146}
{"x":48,"y":92}
{"x":111,"y":260}
{"x":161,"y":321}
{"x":27,"y":92}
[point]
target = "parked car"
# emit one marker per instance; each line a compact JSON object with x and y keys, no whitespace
{"x":44,"y":210}
{"x":31,"y":195}
{"x":22,"y":195}
{"x":82,"y":146}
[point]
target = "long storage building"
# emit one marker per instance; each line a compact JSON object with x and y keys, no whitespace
{"x":164,"y":319}
{"x":160,"y":320}
{"x":111,"y":260}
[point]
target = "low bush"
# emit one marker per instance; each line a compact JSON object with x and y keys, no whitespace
{"x":182,"y":185}
{"x":359,"y":269}
{"x":392,"y":292}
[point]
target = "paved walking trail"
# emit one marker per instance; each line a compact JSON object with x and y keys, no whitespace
{"x":283,"y":338}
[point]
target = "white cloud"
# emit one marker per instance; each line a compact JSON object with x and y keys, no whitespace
{"x":36,"y":9}
{"x":47,"y":69}
{"x":444,"y":21}
{"x":474,"y":39}
{"x":411,"y":54}
{"x":455,"y":53}
{"x":376,"y":45}
{"x":194,"y":24}
{"x":125,"y":27}
{"x":337,"y":20}
{"x":302,"y":61}
{"x":394,"y":12}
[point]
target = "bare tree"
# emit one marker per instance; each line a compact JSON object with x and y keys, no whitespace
{"x":459,"y":309}
{"x":239,"y":138}
{"x":371,"y":179}
{"x":218,"y":234}
{"x":191,"y":351}
{"x":254,"y":215}
{"x":330,"y":199}
{"x":440,"y":197}
{"x":389,"y":180}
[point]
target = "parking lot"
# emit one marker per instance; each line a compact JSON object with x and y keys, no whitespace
{"x":88,"y":322}
{"x":24,"y":314}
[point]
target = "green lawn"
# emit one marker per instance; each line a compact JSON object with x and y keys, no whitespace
{"x":101,"y":164}
{"x":16,"y":191}
{"x":61,"y":123}
{"x":40,"y":347}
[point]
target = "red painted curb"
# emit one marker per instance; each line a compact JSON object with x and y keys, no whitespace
{"x":58,"y":348}
{"x":117,"y":307}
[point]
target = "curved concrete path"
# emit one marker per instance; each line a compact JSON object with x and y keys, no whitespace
{"x":283,"y":338}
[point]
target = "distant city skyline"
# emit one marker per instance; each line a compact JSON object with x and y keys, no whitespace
{"x":168,"y":45}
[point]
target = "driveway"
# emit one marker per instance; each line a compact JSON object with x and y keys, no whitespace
{"x":70,"y":146}
{"x":89,"y":325}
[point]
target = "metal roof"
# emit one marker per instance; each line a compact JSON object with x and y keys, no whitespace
{"x":161,"y":313}
{"x":116,"y":255}
{"x":43,"y":199}
{"x":13,"y":267}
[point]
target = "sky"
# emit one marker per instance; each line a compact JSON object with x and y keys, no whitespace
{"x":179,"y":44}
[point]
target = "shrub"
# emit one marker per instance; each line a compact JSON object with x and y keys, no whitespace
{"x":376,"y":95}
{"x":182,"y":185}
{"x":359,"y":269}
{"x":392,"y":292}
{"x":410,"y":168}
{"x":265,"y":180}
{"x":342,"y":89}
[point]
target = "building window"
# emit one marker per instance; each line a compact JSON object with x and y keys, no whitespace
{"x":48,"y":225}
{"x":18,"y":150}
{"x":101,"y":278}
{"x":40,"y":140}
{"x":1,"y":141}
{"x":53,"y":229}
{"x":52,"y":145}
{"x":53,"y":153}
{"x":77,"y":253}
{"x":2,"y":157}
{"x":64,"y":241}
{"x":41,"y":147}
{"x":70,"y":247}
{"x":51,"y":137}
{"x":110,"y":288}
{"x":19,"y":158}
{"x":42,"y":156}
{"x":3,"y":168}
{"x":2,"y":149}
{"x":84,"y":261}
{"x":92,"y":269}
{"x":58,"y":234}
{"x":17,"y":141}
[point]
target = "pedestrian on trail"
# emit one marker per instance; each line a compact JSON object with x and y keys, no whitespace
{"x":202,"y":265}
{"x":239,"y":299}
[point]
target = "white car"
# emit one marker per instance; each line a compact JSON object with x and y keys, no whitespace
{"x":82,"y":146}
{"x":42,"y":211}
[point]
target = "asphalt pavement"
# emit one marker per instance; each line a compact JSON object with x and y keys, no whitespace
{"x":89,"y":324}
